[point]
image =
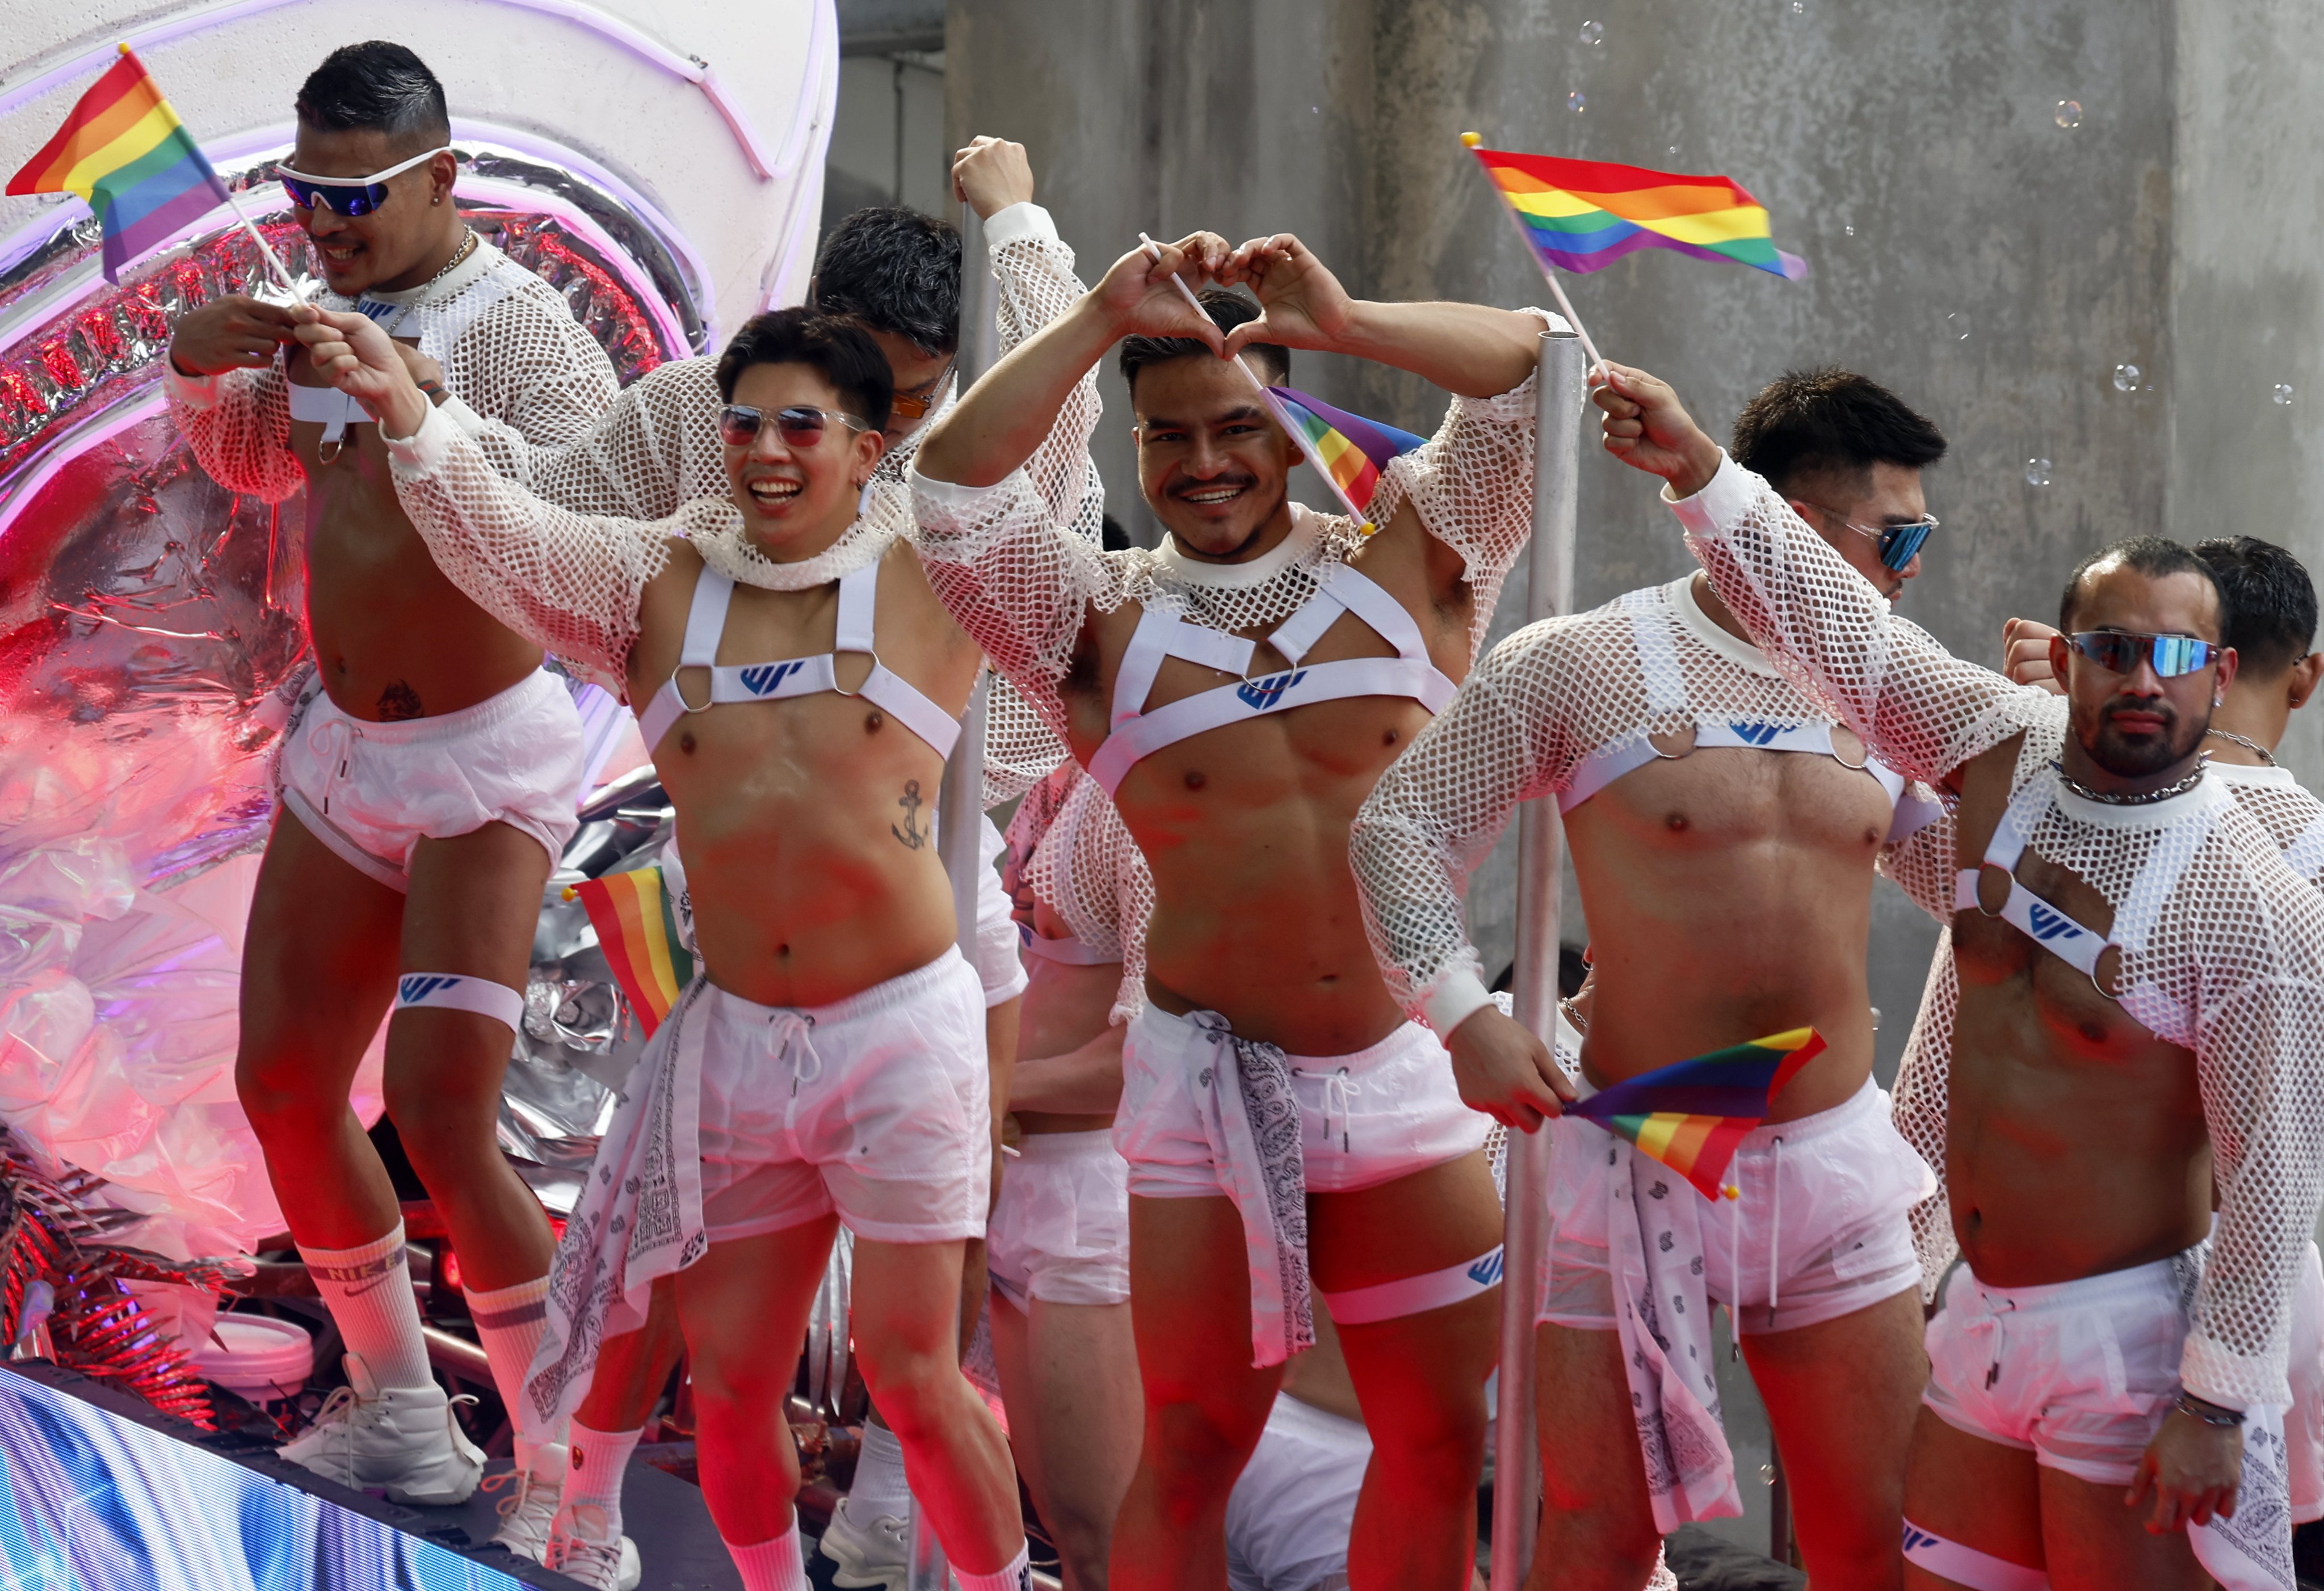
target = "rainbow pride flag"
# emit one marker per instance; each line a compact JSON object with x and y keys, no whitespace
{"x":123,"y":151}
{"x":1692,"y":1115}
{"x":639,"y":931}
{"x":1348,"y":450}
{"x":1585,"y":215}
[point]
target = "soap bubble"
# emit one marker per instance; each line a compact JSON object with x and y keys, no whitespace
{"x":1850,"y":230}
{"x":1593,"y":32}
{"x":1766,"y":1475}
{"x":1674,"y":148}
{"x":2037,"y":471}
{"x":1799,"y":8}
{"x":1577,"y":102}
{"x":1956,"y":324}
{"x":2283,"y":391}
{"x":2069,"y":114}
{"x":2125,"y":378}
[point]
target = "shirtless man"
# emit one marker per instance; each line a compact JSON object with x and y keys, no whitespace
{"x":826,"y":1065}
{"x":1722,"y":824}
{"x":2141,"y":1021}
{"x":1236,"y":747}
{"x":426,"y":783}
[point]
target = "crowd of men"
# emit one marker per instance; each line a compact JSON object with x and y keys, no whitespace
{"x":1237,"y":1034}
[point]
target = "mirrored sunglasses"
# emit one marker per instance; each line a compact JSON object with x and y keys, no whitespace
{"x":2120,"y":651}
{"x":912,"y":406}
{"x":800,"y":425}
{"x":346,"y":195}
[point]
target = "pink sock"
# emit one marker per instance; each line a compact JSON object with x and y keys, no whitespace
{"x":368,"y":1291}
{"x":772,"y":1565}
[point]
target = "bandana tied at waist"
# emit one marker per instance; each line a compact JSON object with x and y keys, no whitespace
{"x":1250,"y":1118}
{"x":640,"y":1218}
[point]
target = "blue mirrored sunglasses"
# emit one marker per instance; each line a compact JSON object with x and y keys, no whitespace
{"x":2120,"y":651}
{"x":1899,"y":543}
{"x":346,"y":195}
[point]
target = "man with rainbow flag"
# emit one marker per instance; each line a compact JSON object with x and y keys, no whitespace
{"x":1236,"y":692}
{"x":1724,"y":831}
{"x":2139,"y":1035}
{"x":426,"y":783}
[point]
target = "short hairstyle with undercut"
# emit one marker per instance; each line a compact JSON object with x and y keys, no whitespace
{"x":833,"y":345}
{"x":896,"y":271}
{"x":1830,"y":421}
{"x":376,"y":87}
{"x":2267,"y":602}
{"x":1227,"y":310}
{"x":2154,"y":557}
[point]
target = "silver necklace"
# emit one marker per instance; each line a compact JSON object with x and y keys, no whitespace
{"x":2265,"y":755}
{"x":2177,"y":787}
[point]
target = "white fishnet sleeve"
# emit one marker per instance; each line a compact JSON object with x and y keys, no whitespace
{"x":526,"y":374}
{"x":570,"y":583}
{"x":238,"y":424}
{"x":1035,"y":271}
{"x":653,"y":447}
{"x":1507,"y":736}
{"x":1921,"y":710}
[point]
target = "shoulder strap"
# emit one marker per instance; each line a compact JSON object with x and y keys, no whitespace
{"x":705,"y":621}
{"x":1161,"y":635}
{"x":1650,"y":632}
{"x":859,"y":602}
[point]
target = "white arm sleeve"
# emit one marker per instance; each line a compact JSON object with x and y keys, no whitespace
{"x":238,"y":424}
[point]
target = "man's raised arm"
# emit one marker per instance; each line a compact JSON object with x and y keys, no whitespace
{"x":1921,"y":710}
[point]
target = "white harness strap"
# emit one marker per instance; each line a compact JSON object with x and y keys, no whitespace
{"x":1137,"y":734}
{"x":1068,"y":952}
{"x":706,"y":622}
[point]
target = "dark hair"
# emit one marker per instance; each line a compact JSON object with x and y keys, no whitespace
{"x":1111,"y":536}
{"x":1810,"y":421}
{"x":2153,"y":556}
{"x":377,"y":86}
{"x":1227,"y":311}
{"x":834,"y":344}
{"x":896,"y":271}
{"x":2268,"y":603}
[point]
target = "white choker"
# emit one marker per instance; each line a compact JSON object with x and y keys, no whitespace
{"x":725,"y":549}
{"x":1306,"y":531}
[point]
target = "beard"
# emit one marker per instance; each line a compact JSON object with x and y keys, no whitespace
{"x":2135,"y":755}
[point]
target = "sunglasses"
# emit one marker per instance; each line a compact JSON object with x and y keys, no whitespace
{"x":346,"y":195}
{"x":916,"y":406}
{"x":2120,"y":651}
{"x":800,"y":425}
{"x":1899,"y":543}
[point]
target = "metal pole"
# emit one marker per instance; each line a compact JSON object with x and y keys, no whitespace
{"x":979,"y":300}
{"x":1559,"y":393}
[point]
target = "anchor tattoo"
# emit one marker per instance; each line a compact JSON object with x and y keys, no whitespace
{"x":910,"y":833}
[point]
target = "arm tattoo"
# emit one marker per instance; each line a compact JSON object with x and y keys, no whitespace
{"x":911,"y":835}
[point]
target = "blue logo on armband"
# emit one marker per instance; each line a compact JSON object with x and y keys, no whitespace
{"x":760,"y":678}
{"x":2049,"y":923}
{"x":1755,"y":734}
{"x":1488,"y":1270}
{"x":1261,"y":694}
{"x":414,"y":987}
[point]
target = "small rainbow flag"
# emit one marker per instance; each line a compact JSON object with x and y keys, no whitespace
{"x":631,"y":913}
{"x":1585,"y":215}
{"x":1692,"y":1115}
{"x":123,"y":151}
{"x":1350,"y":451}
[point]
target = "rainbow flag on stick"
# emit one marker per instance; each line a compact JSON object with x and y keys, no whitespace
{"x":1348,"y":451}
{"x":125,"y":151}
{"x":1692,"y":1115}
{"x":639,"y":932}
{"x":1585,"y":215}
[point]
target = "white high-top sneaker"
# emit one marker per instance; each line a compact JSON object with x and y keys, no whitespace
{"x":868,"y":1554}
{"x":583,"y":1545}
{"x":526,"y":1514}
{"x":401,"y":1441}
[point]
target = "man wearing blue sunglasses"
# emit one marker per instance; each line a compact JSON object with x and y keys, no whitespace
{"x":1848,"y":464}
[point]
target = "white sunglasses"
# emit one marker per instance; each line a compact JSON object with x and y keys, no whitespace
{"x":346,"y":195}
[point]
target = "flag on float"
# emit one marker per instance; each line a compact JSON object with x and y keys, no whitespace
{"x":638,"y":930}
{"x":1348,"y":450}
{"x":125,"y":151}
{"x":1585,"y":215}
{"x":1692,"y":1115}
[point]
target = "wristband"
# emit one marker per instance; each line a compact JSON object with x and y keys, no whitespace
{"x":2209,"y":1413}
{"x":434,"y":392}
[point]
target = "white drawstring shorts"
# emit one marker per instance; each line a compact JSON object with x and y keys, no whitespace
{"x":1060,"y":1228}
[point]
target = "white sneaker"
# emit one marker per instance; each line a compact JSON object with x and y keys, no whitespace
{"x":402,"y":1440}
{"x":877,"y":1553}
{"x":526,"y":1514}
{"x":579,"y":1549}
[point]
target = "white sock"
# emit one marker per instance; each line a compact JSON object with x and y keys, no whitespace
{"x":880,"y":1488}
{"x":368,"y":1291}
{"x":509,"y":1323}
{"x":600,"y":1459}
{"x":772,"y":1565}
{"x":1016,"y":1577}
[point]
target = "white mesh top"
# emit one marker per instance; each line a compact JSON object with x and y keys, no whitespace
{"x":2221,"y":943}
{"x":1084,"y":866}
{"x":522,"y":372}
{"x":657,"y":448}
{"x":1562,"y":707}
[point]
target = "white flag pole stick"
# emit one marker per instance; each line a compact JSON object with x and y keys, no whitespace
{"x":281,"y":274}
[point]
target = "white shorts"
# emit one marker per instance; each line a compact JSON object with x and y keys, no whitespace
{"x":1293,"y":1506}
{"x":1834,"y":1218}
{"x":372,"y":791}
{"x":2080,"y":1374}
{"x":1365,"y":1118}
{"x":1000,"y":960}
{"x":1061,"y":1230}
{"x":881,"y":1115}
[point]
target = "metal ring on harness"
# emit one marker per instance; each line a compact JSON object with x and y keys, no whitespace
{"x":872,"y":653}
{"x":1866,"y":750}
{"x":679,"y":690}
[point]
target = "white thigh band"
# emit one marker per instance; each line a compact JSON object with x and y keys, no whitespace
{"x":1966,"y":1566}
{"x":1414,"y":1295}
{"x":450,"y":991}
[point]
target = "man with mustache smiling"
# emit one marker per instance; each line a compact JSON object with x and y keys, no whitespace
{"x":2141,"y":1011}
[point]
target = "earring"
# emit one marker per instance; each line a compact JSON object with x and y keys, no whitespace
{"x":437,"y":200}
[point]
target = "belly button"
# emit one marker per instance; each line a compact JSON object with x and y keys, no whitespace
{"x":686,"y":742}
{"x":873,"y":720}
{"x":1194,"y":779}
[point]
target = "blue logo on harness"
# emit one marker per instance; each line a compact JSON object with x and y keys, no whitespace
{"x":1755,"y":734}
{"x":2049,"y":924}
{"x":1488,"y":1270}
{"x":761,"y":679}
{"x":414,"y":987}
{"x":1261,"y":694}
{"x":1916,"y":1537}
